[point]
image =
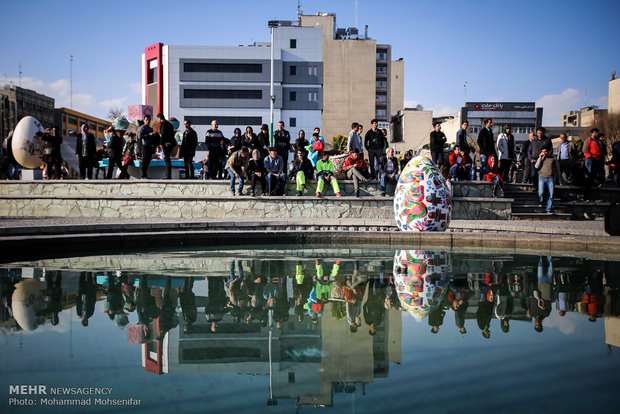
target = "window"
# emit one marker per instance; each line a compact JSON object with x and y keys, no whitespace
{"x":312,"y":96}
{"x":152,"y":75}
{"x":293,"y":44}
{"x":380,"y":112}
{"x":293,"y":70}
{"x":381,"y":56}
{"x":311,"y":70}
{"x":223,"y":67}
{"x":222,"y":94}
{"x":92,"y":126}
{"x":225,"y":120}
{"x":382,"y":70}
{"x":72,"y":120}
{"x":101,"y":128}
{"x":292,"y":96}
{"x":381,"y":98}
{"x":292,"y":122}
{"x":381,"y":84}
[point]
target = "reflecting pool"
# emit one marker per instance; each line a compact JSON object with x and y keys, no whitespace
{"x":288,"y":330}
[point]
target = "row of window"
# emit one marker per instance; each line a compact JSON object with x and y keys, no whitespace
{"x":71,"y":120}
{"x":312,"y":96}
{"x":223,"y":94}
{"x":515,"y":129}
{"x":233,"y":120}
{"x":223,"y":67}
{"x":312,"y":70}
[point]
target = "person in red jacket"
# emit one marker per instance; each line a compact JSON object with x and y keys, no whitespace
{"x":493,"y":175}
{"x":594,"y":150}
{"x":460,"y":164}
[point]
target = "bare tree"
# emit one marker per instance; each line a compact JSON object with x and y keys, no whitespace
{"x":115,"y":112}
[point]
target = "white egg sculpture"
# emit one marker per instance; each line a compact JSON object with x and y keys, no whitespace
{"x":28,"y":144}
{"x":423,"y":197}
{"x":27,"y":301}
{"x":421,"y":277}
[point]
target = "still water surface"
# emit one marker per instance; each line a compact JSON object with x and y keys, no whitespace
{"x":285,"y":330}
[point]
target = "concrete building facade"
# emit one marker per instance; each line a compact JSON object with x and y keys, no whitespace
{"x":232,"y":84}
{"x":613,"y":99}
{"x":70,"y":122}
{"x":584,"y":117}
{"x":17,"y":102}
{"x":411,"y":129}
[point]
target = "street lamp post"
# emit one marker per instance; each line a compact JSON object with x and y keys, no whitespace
{"x":272,"y":98}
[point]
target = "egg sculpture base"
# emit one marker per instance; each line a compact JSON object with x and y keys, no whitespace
{"x":423,"y":198}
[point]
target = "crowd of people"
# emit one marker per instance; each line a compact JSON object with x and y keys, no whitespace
{"x":259,"y":293}
{"x":502,"y":160}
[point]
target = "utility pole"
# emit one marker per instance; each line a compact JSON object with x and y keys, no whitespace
{"x":71,"y":82}
{"x":20,"y":74}
{"x":465,"y":87}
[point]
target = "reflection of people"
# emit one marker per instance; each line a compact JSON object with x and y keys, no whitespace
{"x":216,"y":302}
{"x":374,"y":309}
{"x":53,"y":296}
{"x":146,"y":306}
{"x":87,"y":297}
{"x":593,"y":299}
{"x":538,"y":309}
{"x":484,"y":314}
{"x":166,"y":321}
{"x":188,"y":304}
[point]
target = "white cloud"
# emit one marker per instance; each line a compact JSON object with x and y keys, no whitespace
{"x":135,"y":87}
{"x":60,"y":90}
{"x":115,"y":102}
{"x":570,"y":99}
{"x":443,"y":110}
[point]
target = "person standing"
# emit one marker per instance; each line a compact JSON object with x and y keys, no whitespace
{"x":282,"y":142}
{"x":374,"y":142}
{"x":595,"y":156}
{"x":438,"y":138}
{"x":149,"y":143}
{"x":86,"y":151}
{"x":353,"y":139}
{"x":486,"y":144}
{"x":527,"y":163}
{"x":547,"y":173}
{"x":188,"y":148}
{"x":115,"y":154}
{"x":214,"y":139}
{"x":461,"y":137}
{"x":54,"y":157}
{"x":168,"y":142}
{"x":536,"y":146}
{"x":301,"y":142}
{"x":567,"y":155}
{"x":506,"y":149}
{"x":263,"y":141}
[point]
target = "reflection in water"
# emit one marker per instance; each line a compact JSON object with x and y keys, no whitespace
{"x":299,"y":321}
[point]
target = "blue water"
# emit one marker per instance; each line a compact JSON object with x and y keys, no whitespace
{"x":572,"y":365}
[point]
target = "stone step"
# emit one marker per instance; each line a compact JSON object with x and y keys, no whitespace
{"x":541,"y":216}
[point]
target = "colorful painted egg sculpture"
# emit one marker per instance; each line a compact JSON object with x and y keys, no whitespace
{"x":121,"y":123}
{"x":421,"y":277}
{"x":423,"y":197}
{"x":28,"y":144}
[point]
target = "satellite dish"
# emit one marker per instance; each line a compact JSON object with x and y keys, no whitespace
{"x":419,"y":107}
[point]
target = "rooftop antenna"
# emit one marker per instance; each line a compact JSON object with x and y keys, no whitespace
{"x":356,"y":13}
{"x":299,"y":12}
{"x":20,"y":74}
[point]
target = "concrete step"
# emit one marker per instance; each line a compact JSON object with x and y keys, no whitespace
{"x":541,"y":216}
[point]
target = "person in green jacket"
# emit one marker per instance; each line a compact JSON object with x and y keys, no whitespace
{"x":325,"y":173}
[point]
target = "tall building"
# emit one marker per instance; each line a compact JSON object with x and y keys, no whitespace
{"x":613,"y":103}
{"x":232,"y":83}
{"x":70,"y":122}
{"x":17,"y":102}
{"x":323,"y":76}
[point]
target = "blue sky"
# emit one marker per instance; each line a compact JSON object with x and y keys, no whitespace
{"x":557,"y":53}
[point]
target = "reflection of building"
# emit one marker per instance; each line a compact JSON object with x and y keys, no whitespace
{"x":71,"y":121}
{"x":304,"y":361}
{"x":582,"y":118}
{"x":612,"y":331}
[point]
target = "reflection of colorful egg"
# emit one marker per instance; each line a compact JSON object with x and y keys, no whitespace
{"x":422,"y":199}
{"x":28,"y":145}
{"x":420,"y":277}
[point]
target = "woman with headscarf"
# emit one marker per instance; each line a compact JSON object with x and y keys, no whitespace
{"x":86,"y":151}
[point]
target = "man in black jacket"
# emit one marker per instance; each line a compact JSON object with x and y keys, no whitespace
{"x":486,"y":143}
{"x":188,"y":148}
{"x":86,"y":151}
{"x":438,"y":138}
{"x":282,"y":142}
{"x":374,"y":142}
{"x":168,"y":142}
{"x":115,"y":154}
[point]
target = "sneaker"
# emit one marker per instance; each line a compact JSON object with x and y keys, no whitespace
{"x":382,"y":194}
{"x":337,"y":195}
{"x":305,"y":188}
{"x":233,"y":193}
{"x":252,"y":194}
{"x":298,"y":193}
{"x":318,"y":194}
{"x":549,"y":212}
